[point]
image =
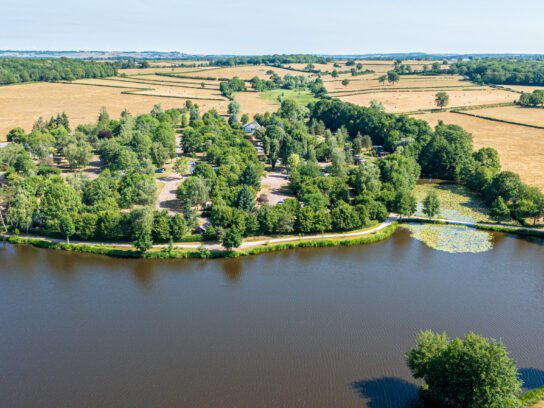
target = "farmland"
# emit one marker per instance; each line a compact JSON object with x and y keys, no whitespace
{"x":529,"y":116}
{"x":409,"y":101}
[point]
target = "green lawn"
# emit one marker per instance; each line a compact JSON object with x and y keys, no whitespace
{"x":303,"y":97}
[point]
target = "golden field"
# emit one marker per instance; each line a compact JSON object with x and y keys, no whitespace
{"x":520,"y":148}
{"x":364,"y":83}
{"x":21,"y":105}
{"x":144,"y":71}
{"x":410,"y":101}
{"x":245,"y":72}
{"x":518,"y":114}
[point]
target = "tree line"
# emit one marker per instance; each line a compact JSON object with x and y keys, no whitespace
{"x":501,"y":71}
{"x":270,"y":60}
{"x":18,"y":70}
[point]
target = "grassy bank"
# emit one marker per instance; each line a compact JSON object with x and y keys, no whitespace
{"x":532,"y":397}
{"x":202,"y":252}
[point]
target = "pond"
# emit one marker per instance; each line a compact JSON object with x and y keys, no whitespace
{"x":321,"y":327}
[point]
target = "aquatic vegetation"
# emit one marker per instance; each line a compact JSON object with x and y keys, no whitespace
{"x":456,"y":202}
{"x":451,"y":238}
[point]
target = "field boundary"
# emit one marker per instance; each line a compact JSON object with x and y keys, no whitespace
{"x":508,"y":122}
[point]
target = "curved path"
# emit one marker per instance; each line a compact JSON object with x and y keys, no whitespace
{"x":251,"y":244}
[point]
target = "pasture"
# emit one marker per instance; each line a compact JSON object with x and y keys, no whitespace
{"x":521,"y":149}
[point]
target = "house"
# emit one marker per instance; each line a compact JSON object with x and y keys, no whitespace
{"x":251,"y":127}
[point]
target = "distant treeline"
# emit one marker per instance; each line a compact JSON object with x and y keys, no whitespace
{"x":17,"y":70}
{"x":502,"y":71}
{"x":271,"y":60}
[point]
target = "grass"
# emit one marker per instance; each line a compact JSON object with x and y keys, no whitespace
{"x":304,"y":97}
{"x":532,"y":397}
{"x":166,"y":253}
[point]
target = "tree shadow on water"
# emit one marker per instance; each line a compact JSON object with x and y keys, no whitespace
{"x":389,"y":392}
{"x":532,"y":378}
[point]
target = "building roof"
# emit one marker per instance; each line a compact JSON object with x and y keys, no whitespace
{"x":251,"y":126}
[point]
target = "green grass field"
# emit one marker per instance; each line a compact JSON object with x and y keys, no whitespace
{"x":303,"y":97}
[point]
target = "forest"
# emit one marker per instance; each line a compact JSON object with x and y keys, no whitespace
{"x":18,"y":70}
{"x":501,"y":71}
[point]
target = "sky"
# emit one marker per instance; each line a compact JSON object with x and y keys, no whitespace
{"x":275,"y":26}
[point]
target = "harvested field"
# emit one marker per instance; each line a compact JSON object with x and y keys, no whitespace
{"x":529,"y":116}
{"x":521,"y":149}
{"x":21,"y":105}
{"x":416,"y":81}
{"x":159,"y":79}
{"x":522,"y":88}
{"x":253,"y":102}
{"x":146,"y":71}
{"x":410,"y":101}
{"x":244,"y":72}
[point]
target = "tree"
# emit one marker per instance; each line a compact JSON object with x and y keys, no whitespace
{"x":181,"y":166}
{"x":393,"y":77}
{"x":67,"y":227}
{"x":431,"y":205}
{"x":334,"y":74}
{"x":382,"y":79}
{"x":233,"y":108}
{"x":142,"y":228}
{"x":178,"y":227}
{"x":442,"y":99}
{"x":194,"y":191}
{"x":473,"y":372}
{"x":245,"y":199}
{"x":345,"y":82}
{"x":232,"y":239}
{"x":78,"y":154}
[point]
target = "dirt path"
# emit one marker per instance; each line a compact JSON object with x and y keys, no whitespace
{"x":167,"y":199}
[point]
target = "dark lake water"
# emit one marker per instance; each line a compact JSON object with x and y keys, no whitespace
{"x":303,"y":328}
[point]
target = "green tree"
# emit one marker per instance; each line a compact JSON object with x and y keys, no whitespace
{"x":232,"y":239}
{"x":431,"y":205}
{"x":142,"y":228}
{"x":382,"y":79}
{"x":194,"y":190}
{"x":393,"y":77}
{"x":181,"y":166}
{"x":233,"y":108}
{"x":245,"y":199}
{"x":473,"y":372}
{"x":442,"y":99}
{"x":345,"y":82}
{"x":67,"y":227}
{"x":178,"y":227}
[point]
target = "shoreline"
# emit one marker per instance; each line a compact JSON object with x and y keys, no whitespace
{"x":248,"y":248}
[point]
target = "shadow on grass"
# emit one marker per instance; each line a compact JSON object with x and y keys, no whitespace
{"x":389,"y":392}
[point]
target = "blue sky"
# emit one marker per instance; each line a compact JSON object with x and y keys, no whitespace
{"x":275,"y":26}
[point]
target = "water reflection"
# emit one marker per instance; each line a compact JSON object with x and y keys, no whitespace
{"x":388,"y":392}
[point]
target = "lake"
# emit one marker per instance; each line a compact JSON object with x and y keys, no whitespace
{"x":313,"y":327}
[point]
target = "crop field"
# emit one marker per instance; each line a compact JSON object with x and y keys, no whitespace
{"x":518,"y":114}
{"x":21,"y":105}
{"x":253,"y":102}
{"x":521,"y":149}
{"x":414,"y":100}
